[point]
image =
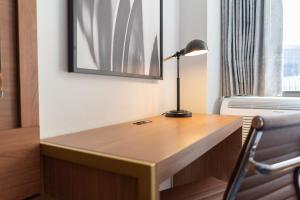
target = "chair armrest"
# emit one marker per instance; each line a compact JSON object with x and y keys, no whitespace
{"x":266,"y":169}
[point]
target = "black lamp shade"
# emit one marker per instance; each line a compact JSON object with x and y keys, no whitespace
{"x":195,"y":48}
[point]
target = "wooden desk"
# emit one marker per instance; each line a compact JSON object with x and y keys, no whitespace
{"x":128,"y":161}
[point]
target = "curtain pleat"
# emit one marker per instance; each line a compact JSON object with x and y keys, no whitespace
{"x":251,"y":47}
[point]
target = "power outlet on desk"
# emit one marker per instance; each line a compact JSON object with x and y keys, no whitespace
{"x":143,"y":122}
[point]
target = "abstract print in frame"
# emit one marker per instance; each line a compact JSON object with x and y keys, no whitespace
{"x":116,"y":37}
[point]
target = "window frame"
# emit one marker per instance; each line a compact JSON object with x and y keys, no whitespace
{"x":290,"y":93}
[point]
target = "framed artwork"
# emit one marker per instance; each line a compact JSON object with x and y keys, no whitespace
{"x":116,"y":37}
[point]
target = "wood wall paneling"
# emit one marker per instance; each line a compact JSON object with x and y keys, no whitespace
{"x":19,"y":125}
{"x":19,"y":163}
{"x":9,"y":104}
{"x":28,"y":63}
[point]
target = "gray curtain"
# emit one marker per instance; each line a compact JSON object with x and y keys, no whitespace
{"x":252,"y":45}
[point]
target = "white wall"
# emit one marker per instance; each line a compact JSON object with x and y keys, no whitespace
{"x":193,"y":25}
{"x":214,"y":56}
{"x":74,"y":102}
{"x":200,"y":19}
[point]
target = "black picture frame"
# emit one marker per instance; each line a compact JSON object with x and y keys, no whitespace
{"x":72,"y":40}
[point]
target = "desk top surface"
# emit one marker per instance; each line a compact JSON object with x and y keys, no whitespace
{"x":154,"y":142}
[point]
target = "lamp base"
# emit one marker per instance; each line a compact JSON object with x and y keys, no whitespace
{"x":179,"y":114}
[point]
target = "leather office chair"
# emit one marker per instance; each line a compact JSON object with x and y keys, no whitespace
{"x":267,"y":169}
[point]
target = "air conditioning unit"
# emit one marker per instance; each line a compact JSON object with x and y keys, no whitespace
{"x":249,"y":107}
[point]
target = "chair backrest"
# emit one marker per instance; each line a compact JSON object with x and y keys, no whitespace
{"x":272,"y":139}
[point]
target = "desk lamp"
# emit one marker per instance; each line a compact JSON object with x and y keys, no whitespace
{"x":194,"y":48}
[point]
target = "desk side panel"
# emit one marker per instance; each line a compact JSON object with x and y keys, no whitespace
{"x":229,"y":135}
{"x":65,"y":180}
{"x":219,"y":162}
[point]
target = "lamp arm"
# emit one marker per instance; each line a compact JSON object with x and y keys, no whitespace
{"x":177,"y":54}
{"x":168,"y":58}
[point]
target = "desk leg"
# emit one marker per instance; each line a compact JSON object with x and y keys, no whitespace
{"x":218,"y":162}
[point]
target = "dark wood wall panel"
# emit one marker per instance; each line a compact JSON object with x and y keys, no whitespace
{"x":19,"y":163}
{"x":29,"y":95}
{"x":66,"y":180}
{"x":19,"y":124}
{"x":9,"y":104}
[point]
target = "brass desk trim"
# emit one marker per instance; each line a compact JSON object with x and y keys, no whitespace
{"x":142,"y":170}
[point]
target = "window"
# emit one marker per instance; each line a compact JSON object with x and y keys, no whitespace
{"x":291,"y":44}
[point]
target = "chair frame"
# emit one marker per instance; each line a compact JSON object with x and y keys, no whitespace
{"x":247,"y":162}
